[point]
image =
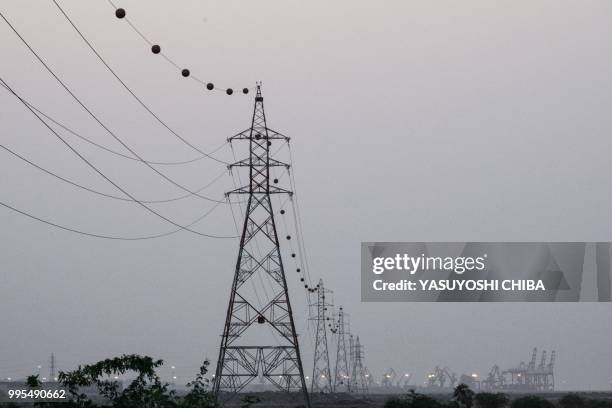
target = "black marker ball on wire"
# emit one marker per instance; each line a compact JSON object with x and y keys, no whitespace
{"x":229,"y":91}
{"x":120,"y":13}
{"x":185,"y":72}
{"x":245,"y":90}
{"x":282,"y":211}
{"x":155,"y":49}
{"x":210,"y":86}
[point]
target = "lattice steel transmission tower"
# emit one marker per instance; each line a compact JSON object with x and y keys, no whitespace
{"x":341,"y":374}
{"x":259,"y":338}
{"x":321,"y":375}
{"x":359,"y":382}
{"x":351,"y":359}
{"x":52,"y":368}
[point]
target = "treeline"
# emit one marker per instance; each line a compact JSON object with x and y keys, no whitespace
{"x":464,"y":397}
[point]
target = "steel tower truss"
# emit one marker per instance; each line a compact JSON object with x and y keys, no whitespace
{"x":359,"y":382}
{"x":321,"y":375}
{"x":244,"y":354}
{"x":341,"y":375}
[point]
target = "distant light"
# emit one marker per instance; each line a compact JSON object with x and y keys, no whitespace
{"x":475,"y":375}
{"x":174,"y":377}
{"x":307,"y":377}
{"x":173,"y":367}
{"x":9,"y":378}
{"x":322,"y":375}
{"x":406,"y":375}
{"x":44,"y":379}
{"x":367,"y":375}
{"x":39,"y":367}
{"x":116,"y":377}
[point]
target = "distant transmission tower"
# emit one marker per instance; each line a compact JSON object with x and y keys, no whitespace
{"x":259,"y":338}
{"x":359,"y":382}
{"x":341,"y":375}
{"x":52,"y":368}
{"x":321,"y":375}
{"x":351,"y":359}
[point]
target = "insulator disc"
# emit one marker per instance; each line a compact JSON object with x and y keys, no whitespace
{"x":275,"y":181}
{"x":301,"y":279}
{"x":229,"y":91}
{"x":299,"y":270}
{"x":155,"y":49}
{"x":292,"y":255}
{"x":288,"y":236}
{"x":261,"y":319}
{"x":120,"y":13}
{"x":185,"y":72}
{"x":269,"y":143}
{"x":282,"y":212}
{"x":306,"y":286}
{"x":210,"y":86}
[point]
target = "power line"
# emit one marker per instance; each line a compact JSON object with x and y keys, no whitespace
{"x":106,"y":177}
{"x":125,"y":156}
{"x":156,"y":49}
{"x":94,"y":235}
{"x":91,"y":190}
{"x":91,"y":47}
{"x":98,"y":120}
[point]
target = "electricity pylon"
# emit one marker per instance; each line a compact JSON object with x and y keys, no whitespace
{"x":359,"y":383}
{"x":259,"y":338}
{"x":52,"y":368}
{"x":321,"y":376}
{"x":351,"y":359}
{"x":341,"y":374}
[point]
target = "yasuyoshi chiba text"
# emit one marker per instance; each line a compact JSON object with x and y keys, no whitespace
{"x":460,"y":285}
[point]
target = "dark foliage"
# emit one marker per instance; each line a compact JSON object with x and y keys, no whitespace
{"x":491,"y":400}
{"x":531,"y":401}
{"x":412,"y":400}
{"x":144,"y":391}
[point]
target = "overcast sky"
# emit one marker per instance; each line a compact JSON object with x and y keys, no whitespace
{"x":410,"y":121}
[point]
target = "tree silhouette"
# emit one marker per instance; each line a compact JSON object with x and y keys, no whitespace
{"x":464,"y":395}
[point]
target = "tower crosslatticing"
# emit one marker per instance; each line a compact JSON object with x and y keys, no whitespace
{"x":341,"y":374}
{"x":359,"y":382}
{"x":321,"y":375}
{"x":259,"y":339}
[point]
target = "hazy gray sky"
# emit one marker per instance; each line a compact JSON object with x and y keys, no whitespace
{"x":410,"y":121}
